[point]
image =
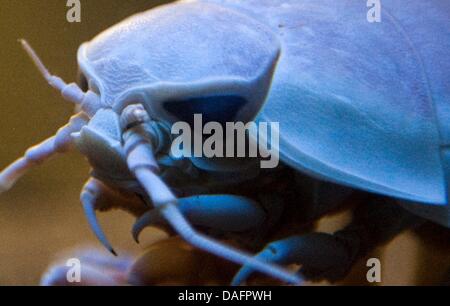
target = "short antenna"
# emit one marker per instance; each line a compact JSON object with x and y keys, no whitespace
{"x":90,"y":102}
{"x":35,"y":58}
{"x":54,"y":81}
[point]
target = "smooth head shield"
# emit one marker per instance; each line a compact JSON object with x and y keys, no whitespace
{"x":179,"y":53}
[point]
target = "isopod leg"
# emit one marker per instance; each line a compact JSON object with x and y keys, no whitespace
{"x":97,"y":196}
{"x":141,"y":162}
{"x":59,"y":143}
{"x":225,"y":213}
{"x":157,"y":190}
{"x":325,"y":256}
{"x":317,"y":250}
{"x":91,"y":197}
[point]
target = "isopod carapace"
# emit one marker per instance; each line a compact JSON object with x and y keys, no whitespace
{"x":360,"y":104}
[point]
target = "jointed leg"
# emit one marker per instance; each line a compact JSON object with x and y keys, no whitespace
{"x":317,"y":251}
{"x":325,"y":256}
{"x":141,"y":161}
{"x":225,"y":213}
{"x":98,"y":197}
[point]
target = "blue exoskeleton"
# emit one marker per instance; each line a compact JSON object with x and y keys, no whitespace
{"x":362,"y":105}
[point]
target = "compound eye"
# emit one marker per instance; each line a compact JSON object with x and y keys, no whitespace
{"x":221,"y":109}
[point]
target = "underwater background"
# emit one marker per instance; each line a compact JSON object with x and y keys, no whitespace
{"x":42,"y":215}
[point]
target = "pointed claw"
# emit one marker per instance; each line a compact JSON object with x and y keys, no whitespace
{"x":280,"y":252}
{"x":246,"y":271}
{"x":242,"y":276}
{"x":91,"y":216}
{"x":150,"y":218}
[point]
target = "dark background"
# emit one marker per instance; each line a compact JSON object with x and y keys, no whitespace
{"x":42,"y":216}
